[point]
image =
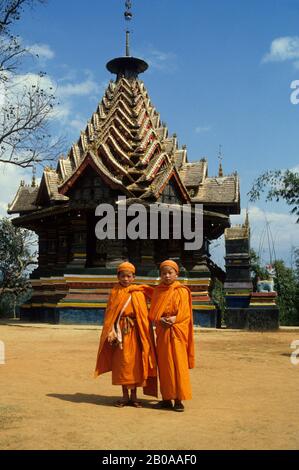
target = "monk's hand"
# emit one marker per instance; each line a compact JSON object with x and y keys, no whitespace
{"x":112,"y":337}
{"x":167,"y":322}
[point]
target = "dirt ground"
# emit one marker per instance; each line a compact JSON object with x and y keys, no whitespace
{"x":245,"y":393}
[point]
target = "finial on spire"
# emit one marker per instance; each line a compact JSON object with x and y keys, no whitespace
{"x":128,"y":17}
{"x":128,"y":13}
{"x":33,"y":182}
{"x":127,"y":43}
{"x":128,"y":67}
{"x":220,"y":157}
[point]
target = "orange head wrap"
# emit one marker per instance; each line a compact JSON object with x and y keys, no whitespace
{"x":126,"y":266}
{"x":170,"y":263}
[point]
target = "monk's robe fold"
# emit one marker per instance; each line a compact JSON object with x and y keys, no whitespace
{"x":135,"y":364}
{"x":175,"y":345}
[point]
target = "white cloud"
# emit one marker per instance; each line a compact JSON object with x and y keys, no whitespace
{"x":159,"y":60}
{"x":84,"y":88}
{"x":17,"y":85}
{"x":43,"y":51}
{"x":295,"y":169}
{"x":283,"y":234}
{"x":282,"y":49}
{"x":66,"y":94}
{"x":202,"y":129}
{"x":30,"y":79}
{"x":78,"y":124}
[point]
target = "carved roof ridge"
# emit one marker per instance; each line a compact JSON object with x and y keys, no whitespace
{"x":119,"y":136}
{"x":113,"y":160}
{"x":118,"y":149}
{"x":154,"y":165}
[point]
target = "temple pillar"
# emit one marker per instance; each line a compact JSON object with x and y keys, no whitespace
{"x":147,"y":254}
{"x":78,"y":228}
{"x":116,"y":253}
{"x":42,"y":248}
{"x":52,"y":248}
{"x":62,"y":251}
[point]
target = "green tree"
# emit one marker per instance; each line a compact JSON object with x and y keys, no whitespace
{"x":16,"y":257}
{"x":255,"y":266}
{"x":218,"y":296}
{"x":278,"y":185}
{"x":287,"y":287}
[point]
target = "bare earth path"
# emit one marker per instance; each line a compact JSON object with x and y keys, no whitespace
{"x":246,"y":395}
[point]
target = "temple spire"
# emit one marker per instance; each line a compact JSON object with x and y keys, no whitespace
{"x":128,"y":17}
{"x":220,"y":157}
{"x":128,"y":67}
{"x":127,"y":43}
{"x":33,"y":182}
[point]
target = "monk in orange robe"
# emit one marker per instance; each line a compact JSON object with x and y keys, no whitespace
{"x":126,"y":345}
{"x":171,"y":311}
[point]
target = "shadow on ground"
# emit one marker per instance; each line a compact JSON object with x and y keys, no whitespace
{"x":95,"y":399}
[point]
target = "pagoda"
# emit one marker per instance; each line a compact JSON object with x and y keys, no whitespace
{"x":125,"y":150}
{"x":245,"y":309}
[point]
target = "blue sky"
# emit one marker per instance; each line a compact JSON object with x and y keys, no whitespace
{"x":220,"y":73}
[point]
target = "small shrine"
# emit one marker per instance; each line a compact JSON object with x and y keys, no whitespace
{"x":246,"y":308}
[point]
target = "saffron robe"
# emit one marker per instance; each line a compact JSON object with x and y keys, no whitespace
{"x":135,"y":363}
{"x":175,"y":345}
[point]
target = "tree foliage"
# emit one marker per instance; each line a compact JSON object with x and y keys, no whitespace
{"x":26,"y":100}
{"x":287,"y":287}
{"x":278,"y":185}
{"x":255,"y":266}
{"x":286,"y":284}
{"x":16,"y":257}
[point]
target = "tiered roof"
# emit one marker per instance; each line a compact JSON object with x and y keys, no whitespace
{"x":126,"y":143}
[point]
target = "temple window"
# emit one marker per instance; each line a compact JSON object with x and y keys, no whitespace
{"x":170,"y":195}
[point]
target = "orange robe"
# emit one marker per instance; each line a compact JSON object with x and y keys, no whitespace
{"x":175,"y":345}
{"x":135,"y":364}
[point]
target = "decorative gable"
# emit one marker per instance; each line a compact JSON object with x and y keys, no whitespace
{"x":171,"y":194}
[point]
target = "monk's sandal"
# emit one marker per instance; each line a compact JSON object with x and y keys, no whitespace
{"x":164,"y":404}
{"x":179,"y":407}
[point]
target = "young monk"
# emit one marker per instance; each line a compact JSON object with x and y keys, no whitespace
{"x":171,"y":311}
{"x":126,"y":347}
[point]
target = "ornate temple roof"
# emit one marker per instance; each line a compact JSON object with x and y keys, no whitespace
{"x":24,"y":200}
{"x":126,"y":143}
{"x":238,"y":231}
